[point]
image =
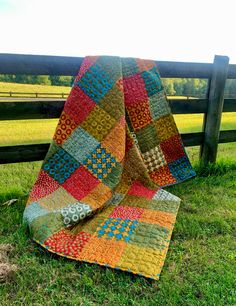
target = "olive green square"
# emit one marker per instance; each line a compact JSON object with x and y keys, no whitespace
{"x":45,"y":226}
{"x":98,"y":123}
{"x":129,"y":66}
{"x":135,"y":201}
{"x":113,"y":178}
{"x":150,"y":236}
{"x":113,"y":103}
{"x":147,"y":138}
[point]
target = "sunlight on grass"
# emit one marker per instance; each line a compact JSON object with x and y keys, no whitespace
{"x":4,"y":86}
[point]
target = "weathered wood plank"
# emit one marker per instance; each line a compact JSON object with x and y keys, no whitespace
{"x":212,"y":118}
{"x":34,"y":152}
{"x":62,"y":65}
{"x":23,"y":153}
{"x":232,"y":71}
{"x":227,"y":136}
{"x":229,"y":105}
{"x":42,"y":109}
{"x":31,"y":110}
{"x":191,"y":106}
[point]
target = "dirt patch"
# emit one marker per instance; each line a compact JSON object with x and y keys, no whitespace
{"x":7,"y":270}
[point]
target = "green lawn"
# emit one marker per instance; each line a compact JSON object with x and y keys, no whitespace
{"x":15,"y":87}
{"x":199,"y":269}
{"x":200,"y":265}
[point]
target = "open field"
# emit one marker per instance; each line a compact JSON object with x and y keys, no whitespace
{"x":200,"y":265}
{"x":16,"y":87}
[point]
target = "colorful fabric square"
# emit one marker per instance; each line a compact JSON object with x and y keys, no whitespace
{"x":60,"y":166}
{"x":74,"y":213}
{"x":158,"y":105}
{"x":119,"y":229}
{"x":80,"y":144}
{"x":180,"y":169}
{"x":78,"y":111}
{"x":100,"y":162}
{"x":154,"y":159}
{"x":43,"y":186}
{"x":80,"y":183}
{"x":64,"y":128}
{"x":67,"y":244}
{"x":96,"y":88}
{"x":139,"y":114}
{"x":98,"y":196}
{"x":98,"y":123}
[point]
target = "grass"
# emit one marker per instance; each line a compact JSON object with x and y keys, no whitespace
{"x":16,"y":87}
{"x":199,"y":269}
{"x":200,"y":265}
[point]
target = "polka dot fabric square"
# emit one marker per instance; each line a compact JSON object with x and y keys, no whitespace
{"x":60,"y":166}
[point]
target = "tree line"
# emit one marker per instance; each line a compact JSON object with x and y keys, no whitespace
{"x":38,"y":79}
{"x":178,"y":87}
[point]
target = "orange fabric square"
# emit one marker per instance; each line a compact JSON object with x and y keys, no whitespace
{"x":161,"y":218}
{"x":117,"y":133}
{"x":98,"y":196}
{"x":107,"y":252}
{"x":139,"y":114}
{"x":163,"y":176}
{"x":65,"y":127}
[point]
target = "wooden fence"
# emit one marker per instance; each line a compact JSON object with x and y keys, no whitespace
{"x":212,"y":106}
{"x":15,"y":94}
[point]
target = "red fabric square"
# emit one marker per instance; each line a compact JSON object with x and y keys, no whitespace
{"x":139,"y":114}
{"x":172,"y":148}
{"x":87,"y":63}
{"x":44,"y":185}
{"x":78,"y":105}
{"x":64,"y":128}
{"x":163,"y":176}
{"x":127,"y":212}
{"x":80,"y":183}
{"x":134,"y":89}
{"x":67,"y":244}
{"x":137,"y":189}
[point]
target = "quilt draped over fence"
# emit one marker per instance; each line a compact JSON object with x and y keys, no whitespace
{"x":98,"y":197}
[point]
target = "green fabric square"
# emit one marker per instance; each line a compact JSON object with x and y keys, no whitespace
{"x":113,"y":178}
{"x":45,"y":226}
{"x":159,"y":105}
{"x":149,"y":236}
{"x":147,"y":138}
{"x":129,"y":67}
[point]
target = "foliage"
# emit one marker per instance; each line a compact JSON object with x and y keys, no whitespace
{"x":38,"y":79}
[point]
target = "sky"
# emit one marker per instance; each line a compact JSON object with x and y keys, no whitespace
{"x":173,"y":30}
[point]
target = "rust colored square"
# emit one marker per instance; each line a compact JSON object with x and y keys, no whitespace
{"x":80,"y":183}
{"x":163,"y":176}
{"x":102,"y":251}
{"x":172,"y":148}
{"x":134,"y":89}
{"x":162,"y":218}
{"x":78,"y":105}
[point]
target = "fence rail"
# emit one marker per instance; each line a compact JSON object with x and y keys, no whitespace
{"x":15,"y":94}
{"x":212,"y":106}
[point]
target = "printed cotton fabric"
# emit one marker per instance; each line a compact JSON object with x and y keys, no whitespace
{"x":98,"y":197}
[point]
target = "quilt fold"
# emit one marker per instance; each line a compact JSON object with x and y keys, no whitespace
{"x":99,"y":195}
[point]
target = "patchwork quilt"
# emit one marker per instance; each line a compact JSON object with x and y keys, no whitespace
{"x":99,"y":195}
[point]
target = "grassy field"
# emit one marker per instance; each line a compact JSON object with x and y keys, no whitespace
{"x":200,"y":265}
{"x":15,"y":87}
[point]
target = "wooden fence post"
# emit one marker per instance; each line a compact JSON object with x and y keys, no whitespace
{"x":212,"y":119}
